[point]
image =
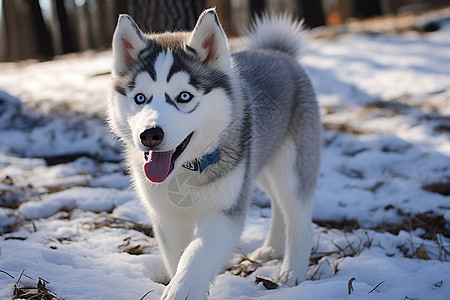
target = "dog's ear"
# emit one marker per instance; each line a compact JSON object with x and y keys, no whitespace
{"x":209,"y":41}
{"x":128,"y":41}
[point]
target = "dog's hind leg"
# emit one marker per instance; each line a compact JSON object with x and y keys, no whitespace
{"x":292,"y":184}
{"x":297,"y":212}
{"x":274,"y":244}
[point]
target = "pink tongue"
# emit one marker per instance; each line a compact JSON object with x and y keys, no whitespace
{"x":157,"y":168}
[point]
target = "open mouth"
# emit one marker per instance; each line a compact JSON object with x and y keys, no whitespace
{"x":159,"y":164}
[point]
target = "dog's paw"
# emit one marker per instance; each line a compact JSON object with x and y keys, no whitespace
{"x":291,"y":278}
{"x":182,"y":289}
{"x":265,"y":254}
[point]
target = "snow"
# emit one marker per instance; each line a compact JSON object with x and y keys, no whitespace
{"x":385,"y":102}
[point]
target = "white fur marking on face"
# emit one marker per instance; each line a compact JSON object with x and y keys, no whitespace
{"x":163,"y":64}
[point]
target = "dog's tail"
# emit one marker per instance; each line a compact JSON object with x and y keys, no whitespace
{"x":276,"y":32}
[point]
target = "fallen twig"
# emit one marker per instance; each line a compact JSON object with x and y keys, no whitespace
{"x":145,"y":295}
{"x":350,"y":285}
{"x":1,"y":271}
{"x":376,"y":287}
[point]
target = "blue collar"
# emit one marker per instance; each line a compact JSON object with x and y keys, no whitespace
{"x":206,"y":160}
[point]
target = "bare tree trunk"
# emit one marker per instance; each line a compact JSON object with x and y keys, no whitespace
{"x":257,"y":7}
{"x":68,"y":39}
{"x":312,"y":13}
{"x":120,"y":7}
{"x":162,"y":15}
{"x":26,"y":33}
{"x":224,"y":13}
{"x":368,"y":8}
{"x":12,"y":47}
{"x":83,"y":26}
{"x":3,"y":40}
{"x":107,"y":19}
{"x":41,"y":34}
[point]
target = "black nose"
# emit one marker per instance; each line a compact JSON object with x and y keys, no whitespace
{"x":152,"y":137}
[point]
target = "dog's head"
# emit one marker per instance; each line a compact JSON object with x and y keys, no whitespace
{"x":171,"y":96}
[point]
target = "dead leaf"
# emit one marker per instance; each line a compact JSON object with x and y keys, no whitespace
{"x":421,"y":254}
{"x":268,"y":284}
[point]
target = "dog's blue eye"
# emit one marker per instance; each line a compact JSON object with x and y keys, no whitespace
{"x":139,"y":98}
{"x":184,"y":97}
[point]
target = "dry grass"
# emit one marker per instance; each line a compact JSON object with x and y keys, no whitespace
{"x":442,"y":187}
{"x":343,"y":127}
{"x":244,"y":267}
{"x":19,"y":221}
{"x":434,"y":227}
{"x":29,"y":292}
{"x":116,"y":222}
{"x":128,"y":246}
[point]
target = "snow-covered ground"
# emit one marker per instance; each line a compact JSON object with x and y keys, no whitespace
{"x":382,"y":211}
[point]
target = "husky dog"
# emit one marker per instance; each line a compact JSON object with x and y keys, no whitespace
{"x":199,"y":124}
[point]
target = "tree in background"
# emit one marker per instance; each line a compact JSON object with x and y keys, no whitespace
{"x":25,"y":31}
{"x":67,"y":38}
{"x":162,"y":15}
{"x":312,"y":13}
{"x":42,"y":29}
{"x":257,"y":7}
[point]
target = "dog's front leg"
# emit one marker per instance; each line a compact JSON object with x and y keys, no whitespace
{"x":173,"y":237}
{"x":216,"y":237}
